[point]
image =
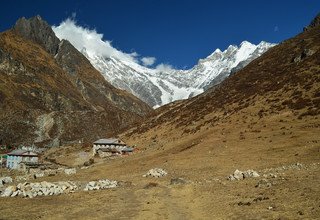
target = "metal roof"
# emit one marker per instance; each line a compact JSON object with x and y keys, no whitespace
{"x":108,"y":141}
{"x":20,"y":152}
{"x":127,"y":149}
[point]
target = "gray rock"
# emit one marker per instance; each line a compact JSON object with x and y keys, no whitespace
{"x":240,"y":175}
{"x":8,"y":191}
{"x":305,"y":53}
{"x":263,"y":183}
{"x":177,"y":181}
{"x":101,"y":184}
{"x":70,"y":171}
{"x":28,"y":194}
{"x":38,"y":31}
{"x":37,"y":175}
{"x":156,"y":172}
{"x":16,"y":193}
{"x":250,"y":173}
{"x":7,"y":180}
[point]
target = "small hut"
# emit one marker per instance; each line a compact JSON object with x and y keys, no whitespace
{"x":15,"y":157}
{"x":111,"y":145}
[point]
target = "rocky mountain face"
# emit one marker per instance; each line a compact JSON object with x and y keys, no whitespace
{"x":159,"y":87}
{"x":51,"y":94}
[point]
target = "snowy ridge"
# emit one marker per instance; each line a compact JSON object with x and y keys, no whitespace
{"x":158,"y":88}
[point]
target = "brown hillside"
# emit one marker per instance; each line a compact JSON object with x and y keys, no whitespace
{"x":49,"y":100}
{"x":284,"y":79}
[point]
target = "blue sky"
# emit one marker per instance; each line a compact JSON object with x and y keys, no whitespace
{"x":172,"y":31}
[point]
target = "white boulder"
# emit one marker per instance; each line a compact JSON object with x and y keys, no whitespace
{"x":240,"y":175}
{"x":70,"y":171}
{"x":8,"y":191}
{"x":156,"y":172}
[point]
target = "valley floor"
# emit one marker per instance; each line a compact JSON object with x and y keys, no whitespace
{"x":286,"y":154}
{"x":293,"y":195}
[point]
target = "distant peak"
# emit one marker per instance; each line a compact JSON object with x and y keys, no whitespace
{"x":231,"y":48}
{"x":246,"y":43}
{"x":266,"y":44}
{"x":39,"y":31}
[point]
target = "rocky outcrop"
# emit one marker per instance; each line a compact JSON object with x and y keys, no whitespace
{"x":70,"y":171}
{"x":305,"y":53}
{"x":240,"y":175}
{"x":156,"y":172}
{"x":100,"y":184}
{"x":39,"y":31}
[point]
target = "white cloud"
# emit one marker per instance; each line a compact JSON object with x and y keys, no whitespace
{"x":164,"y":67}
{"x":94,"y":44}
{"x":89,"y":39}
{"x":148,"y":61}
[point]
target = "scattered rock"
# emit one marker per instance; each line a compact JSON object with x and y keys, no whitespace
{"x":31,"y":190}
{"x":70,"y":171}
{"x":156,"y":172}
{"x":177,"y":181}
{"x":100,"y":184}
{"x":240,"y":175}
{"x":9,"y":191}
{"x":250,"y":173}
{"x":263,"y":183}
{"x":89,"y":162}
{"x":22,"y":178}
{"x":305,"y":53}
{"x":5,"y":180}
{"x":37,"y":175}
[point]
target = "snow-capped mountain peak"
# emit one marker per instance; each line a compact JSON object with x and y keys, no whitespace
{"x":163,"y":85}
{"x":159,"y":87}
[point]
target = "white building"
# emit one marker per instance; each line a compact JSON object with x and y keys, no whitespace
{"x":15,"y":157}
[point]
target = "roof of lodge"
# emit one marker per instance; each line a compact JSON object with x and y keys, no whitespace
{"x":19,"y":152}
{"x":109,"y":141}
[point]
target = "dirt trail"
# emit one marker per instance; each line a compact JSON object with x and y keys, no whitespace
{"x":169,"y":203}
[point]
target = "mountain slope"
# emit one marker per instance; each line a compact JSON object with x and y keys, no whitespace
{"x":158,"y":87}
{"x":289,"y":72}
{"x":265,"y":115}
{"x":50,"y":93}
